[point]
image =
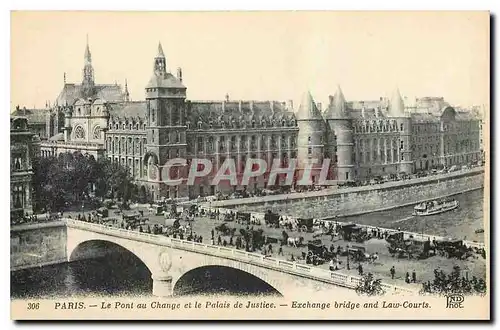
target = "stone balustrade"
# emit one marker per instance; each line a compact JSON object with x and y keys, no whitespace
{"x":285,"y":266}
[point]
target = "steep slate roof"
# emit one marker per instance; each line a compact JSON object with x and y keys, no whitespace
{"x":240,"y":111}
{"x":164,"y":81}
{"x":396,"y":106}
{"x":308,"y":109}
{"x":129,"y":109}
{"x":72,"y":92}
{"x":34,"y":116}
{"x":337,"y":107}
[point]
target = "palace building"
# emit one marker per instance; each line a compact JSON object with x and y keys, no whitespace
{"x":363,"y":139}
{"x":24,"y":147}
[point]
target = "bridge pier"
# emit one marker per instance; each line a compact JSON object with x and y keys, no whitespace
{"x":162,"y":285}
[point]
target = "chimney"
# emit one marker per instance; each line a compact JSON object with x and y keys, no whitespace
{"x":319,"y":106}
{"x":271,"y":105}
{"x":330,"y":97}
{"x":363,"y":111}
{"x":227,"y":97}
{"x":289,"y":105}
{"x":179,"y":74}
{"x":377,"y":112}
{"x":251,"y":106}
{"x":239,"y":106}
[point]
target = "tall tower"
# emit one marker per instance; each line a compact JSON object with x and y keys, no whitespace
{"x":403,"y":120}
{"x":311,"y":136}
{"x":340,"y":135}
{"x":88,"y":74}
{"x":166,"y":125}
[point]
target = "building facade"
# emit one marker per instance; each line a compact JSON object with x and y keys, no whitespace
{"x":24,"y":147}
{"x":362,"y":139}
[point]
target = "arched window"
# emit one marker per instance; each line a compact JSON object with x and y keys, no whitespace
{"x":79,"y":133}
{"x":97,"y":132}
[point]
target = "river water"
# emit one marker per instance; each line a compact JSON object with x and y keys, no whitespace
{"x":125,"y":275}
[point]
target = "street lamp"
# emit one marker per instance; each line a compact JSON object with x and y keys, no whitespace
{"x":348,"y":266}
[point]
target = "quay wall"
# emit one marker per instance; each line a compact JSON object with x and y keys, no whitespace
{"x":331,"y":203}
{"x":37,"y":245}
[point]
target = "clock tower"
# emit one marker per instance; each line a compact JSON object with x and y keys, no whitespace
{"x":166,"y":128}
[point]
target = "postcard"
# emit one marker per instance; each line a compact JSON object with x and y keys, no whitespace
{"x":285,"y":165}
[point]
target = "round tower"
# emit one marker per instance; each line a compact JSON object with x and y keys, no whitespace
{"x":403,"y":120}
{"x":341,"y":135}
{"x":310,"y":138}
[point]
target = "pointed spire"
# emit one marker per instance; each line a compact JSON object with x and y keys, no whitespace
{"x":127,"y":94}
{"x":337,"y":107}
{"x":308,"y":109}
{"x":160,"y":50}
{"x":396,"y":105}
{"x":88,"y":57}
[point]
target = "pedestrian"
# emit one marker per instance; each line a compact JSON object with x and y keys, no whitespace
{"x":231,"y":240}
{"x":360,"y":270}
{"x":270,"y":248}
{"x":407,"y":277}
{"x":219,"y":240}
{"x":211,"y":241}
{"x":414,"y":277}
{"x":213,"y":233}
{"x":224,"y":243}
{"x":280,"y":250}
{"x":393,"y":272}
{"x":331,"y":266}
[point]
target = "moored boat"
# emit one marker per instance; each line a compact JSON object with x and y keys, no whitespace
{"x":435,"y":207}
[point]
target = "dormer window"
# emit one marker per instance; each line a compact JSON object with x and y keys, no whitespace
{"x":200,"y":125}
{"x":253,"y":123}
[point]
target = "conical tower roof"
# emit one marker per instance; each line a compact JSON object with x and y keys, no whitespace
{"x":337,"y":107}
{"x":160,"y":50}
{"x":396,"y":105}
{"x":308,"y":109}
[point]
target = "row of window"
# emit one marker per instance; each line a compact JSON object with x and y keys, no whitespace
{"x":377,"y":126}
{"x":232,"y":143}
{"x":126,"y":145}
{"x":242,"y":124}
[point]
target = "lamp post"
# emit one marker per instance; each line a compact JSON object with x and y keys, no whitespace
{"x":348,"y":266}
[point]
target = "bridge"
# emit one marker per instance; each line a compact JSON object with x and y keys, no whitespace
{"x":170,"y":259}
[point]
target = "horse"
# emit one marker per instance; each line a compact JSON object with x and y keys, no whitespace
{"x":296,"y":242}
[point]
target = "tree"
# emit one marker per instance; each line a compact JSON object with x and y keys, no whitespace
{"x":453,"y":283}
{"x":71,"y":178}
{"x":370,"y":286}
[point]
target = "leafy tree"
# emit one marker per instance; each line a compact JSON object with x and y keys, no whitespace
{"x":72,"y":178}
{"x":370,"y":286}
{"x":453,"y":282}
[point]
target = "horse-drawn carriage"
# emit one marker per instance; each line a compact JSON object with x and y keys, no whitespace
{"x":318,"y":253}
{"x":409,"y":248}
{"x":272,"y":219}
{"x":305,"y":224}
{"x":225,"y":230}
{"x":352,"y":232}
{"x":453,"y":249}
{"x":358,"y":253}
{"x":243,"y":217}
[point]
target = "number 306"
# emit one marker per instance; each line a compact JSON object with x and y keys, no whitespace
{"x":33,"y":306}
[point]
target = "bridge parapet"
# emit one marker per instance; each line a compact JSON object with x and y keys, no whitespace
{"x":293,"y":268}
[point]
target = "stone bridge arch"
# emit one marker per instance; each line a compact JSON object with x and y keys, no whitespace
{"x":147,"y":253}
{"x":182,"y":265}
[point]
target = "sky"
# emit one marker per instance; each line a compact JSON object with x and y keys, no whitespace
{"x":257,"y":55}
